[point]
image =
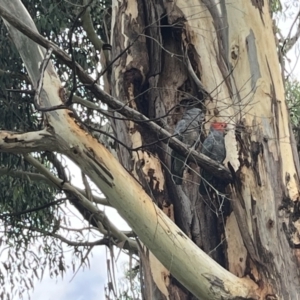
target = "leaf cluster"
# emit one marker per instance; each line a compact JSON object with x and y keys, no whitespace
{"x":29,"y":251}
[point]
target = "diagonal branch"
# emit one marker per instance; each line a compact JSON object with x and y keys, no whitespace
{"x":289,"y":41}
{"x":39,"y":177}
{"x":103,"y":241}
{"x":97,"y":214}
{"x":26,"y":211}
{"x":88,"y":26}
{"x":14,"y":142}
{"x":88,"y":216}
{"x":206,"y":163}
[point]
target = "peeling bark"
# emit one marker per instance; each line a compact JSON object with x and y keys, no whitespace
{"x":234,"y":74}
{"x":183,"y":50}
{"x":163,"y":238}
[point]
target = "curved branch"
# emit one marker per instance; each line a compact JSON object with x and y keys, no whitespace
{"x":26,"y":211}
{"x":63,"y":239}
{"x":192,"y":73}
{"x":206,"y":163}
{"x":221,"y":26}
{"x":39,"y":177}
{"x":87,"y":25}
{"x":289,"y":41}
{"x":97,"y":214}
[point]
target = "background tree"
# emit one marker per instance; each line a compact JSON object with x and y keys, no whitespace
{"x":165,"y":57}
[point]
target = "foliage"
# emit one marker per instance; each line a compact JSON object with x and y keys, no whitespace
{"x":292,"y":91}
{"x":129,"y":286}
{"x":275,"y":6}
{"x":27,"y":219}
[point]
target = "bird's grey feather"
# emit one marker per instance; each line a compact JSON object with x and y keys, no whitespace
{"x":188,"y":131}
{"x":214,"y":148}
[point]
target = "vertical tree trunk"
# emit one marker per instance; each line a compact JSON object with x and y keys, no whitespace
{"x":224,"y":57}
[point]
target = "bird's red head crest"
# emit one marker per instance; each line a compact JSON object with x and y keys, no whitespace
{"x":220,"y":126}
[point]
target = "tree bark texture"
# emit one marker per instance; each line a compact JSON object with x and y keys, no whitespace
{"x":231,"y":48}
{"x":224,"y":56}
{"x":164,"y":239}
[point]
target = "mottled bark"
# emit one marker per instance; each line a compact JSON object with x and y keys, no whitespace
{"x":225,"y":58}
{"x":178,"y":51}
{"x":163,"y":238}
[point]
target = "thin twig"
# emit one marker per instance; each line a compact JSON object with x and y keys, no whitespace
{"x":26,"y":211}
{"x":74,"y":88}
{"x":38,"y":90}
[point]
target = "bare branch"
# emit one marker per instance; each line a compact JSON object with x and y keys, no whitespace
{"x":28,"y":92}
{"x":26,"y":211}
{"x":197,"y":81}
{"x":103,"y":241}
{"x":40,"y":177}
{"x":88,"y":190}
{"x":88,"y":26}
{"x":213,"y":167}
{"x":289,"y":41}
{"x":38,"y":91}
{"x":98,"y":214}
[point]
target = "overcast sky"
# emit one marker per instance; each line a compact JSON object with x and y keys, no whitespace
{"x":88,"y":284}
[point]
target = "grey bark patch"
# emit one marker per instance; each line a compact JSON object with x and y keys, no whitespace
{"x":252,"y":59}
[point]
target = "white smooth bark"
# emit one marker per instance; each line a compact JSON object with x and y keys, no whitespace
{"x":27,"y":142}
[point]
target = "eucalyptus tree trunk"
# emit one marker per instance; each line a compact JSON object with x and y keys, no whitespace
{"x":222,"y":55}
